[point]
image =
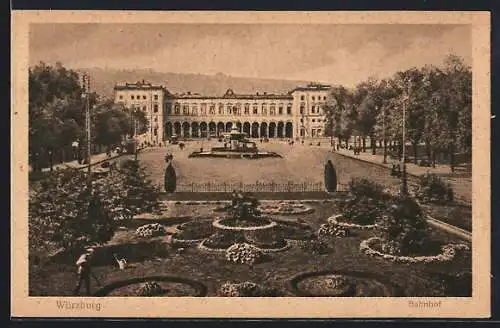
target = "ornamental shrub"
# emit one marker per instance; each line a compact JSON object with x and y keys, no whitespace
{"x":315,"y":246}
{"x":432,"y":189}
{"x":359,"y":187}
{"x":330,"y":176}
{"x":170,"y":179}
{"x":141,"y":194}
{"x":363,"y":210}
{"x":405,"y":230}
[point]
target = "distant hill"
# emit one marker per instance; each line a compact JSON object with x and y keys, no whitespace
{"x":105,"y":79}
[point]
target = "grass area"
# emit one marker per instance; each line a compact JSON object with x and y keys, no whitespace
{"x":156,"y":257}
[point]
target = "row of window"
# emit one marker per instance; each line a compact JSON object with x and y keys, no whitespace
{"x":138,"y":97}
{"x":314,"y":109}
{"x":144,"y":108}
{"x":230,"y":110}
{"x":313,"y":120}
{"x":313,"y":98}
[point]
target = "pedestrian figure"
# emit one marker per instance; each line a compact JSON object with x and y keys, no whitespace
{"x":84,"y":272}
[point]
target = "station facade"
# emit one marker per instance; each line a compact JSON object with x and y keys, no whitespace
{"x":296,"y":114}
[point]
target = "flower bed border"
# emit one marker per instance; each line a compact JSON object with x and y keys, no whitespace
{"x":449,"y":252}
{"x":200,"y":289}
{"x":216,"y":223}
{"x":288,"y":245}
{"x":190,"y":242}
{"x":333,"y":220}
{"x":277,"y":211}
{"x":293,"y":283}
{"x":203,"y":247}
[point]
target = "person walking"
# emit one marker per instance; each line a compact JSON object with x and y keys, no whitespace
{"x":84,"y":272}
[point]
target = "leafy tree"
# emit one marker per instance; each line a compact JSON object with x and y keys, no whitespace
{"x":340,"y":113}
{"x":66,"y":212}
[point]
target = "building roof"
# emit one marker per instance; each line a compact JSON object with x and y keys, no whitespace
{"x":312,"y":87}
{"x":139,"y":85}
{"x":230,"y":94}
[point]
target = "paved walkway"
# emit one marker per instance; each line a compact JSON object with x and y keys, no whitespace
{"x":461,"y":182}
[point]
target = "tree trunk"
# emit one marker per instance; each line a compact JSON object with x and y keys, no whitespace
{"x":452,"y":157}
{"x":433,"y":151}
{"x":373,"y":145}
{"x":385,"y":151}
{"x":428,"y":150}
{"x":364,"y":144}
{"x":400,"y":151}
{"x":415,"y":145}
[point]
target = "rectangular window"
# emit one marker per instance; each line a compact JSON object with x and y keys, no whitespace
{"x":313,"y":98}
{"x":138,"y":97}
{"x":313,"y":132}
{"x":280,"y":110}
{"x":229,"y":109}
{"x":301,"y":109}
{"x":144,"y":97}
{"x":289,"y":110}
{"x":120,"y":97}
{"x":132,"y":97}
{"x":156,"y":97}
{"x":255,"y":110}
{"x":301,"y":97}
{"x":155,"y":132}
{"x":203,"y":109}
{"x":264,"y":109}
{"x":313,"y":109}
{"x":221,"y":109}
{"x":155,"y":108}
{"x":185,"y":110}
{"x":177,"y":109}
{"x":324,"y":98}
{"x":212,"y":109}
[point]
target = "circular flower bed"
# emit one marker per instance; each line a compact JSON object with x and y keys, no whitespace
{"x":238,"y":224}
{"x":170,"y":286}
{"x":193,"y":232}
{"x":286,"y":208}
{"x":337,"y":220}
{"x":332,"y":230}
{"x":243,"y":253}
{"x":246,"y":289}
{"x":341,"y":284}
{"x":151,"y":230}
{"x":448,"y":253}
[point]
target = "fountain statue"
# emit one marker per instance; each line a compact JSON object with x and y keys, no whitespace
{"x":235,"y":145}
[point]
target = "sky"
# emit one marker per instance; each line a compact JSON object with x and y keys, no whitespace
{"x":337,"y":54}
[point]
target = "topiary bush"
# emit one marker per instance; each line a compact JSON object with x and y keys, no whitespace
{"x":432,"y":189}
{"x":405,"y":230}
{"x":332,"y":230}
{"x":244,"y":253}
{"x":330,"y":176}
{"x":170,"y":182}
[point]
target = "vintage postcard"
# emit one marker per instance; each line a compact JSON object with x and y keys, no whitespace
{"x":250,"y":164}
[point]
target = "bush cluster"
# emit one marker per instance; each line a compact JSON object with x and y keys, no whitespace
{"x":363,"y":210}
{"x":432,"y":189}
{"x":404,"y":230}
{"x":151,"y":230}
{"x":150,"y":289}
{"x":332,"y":230}
{"x":243,"y":253}
{"x":315,"y":246}
{"x":246,"y":289}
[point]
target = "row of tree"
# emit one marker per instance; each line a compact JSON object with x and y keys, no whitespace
{"x":57,"y":105}
{"x":437,"y":103}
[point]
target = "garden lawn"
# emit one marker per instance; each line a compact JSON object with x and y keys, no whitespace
{"x":155,"y":257}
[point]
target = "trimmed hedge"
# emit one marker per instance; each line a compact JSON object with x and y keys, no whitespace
{"x":170,"y":179}
{"x":330,"y":176}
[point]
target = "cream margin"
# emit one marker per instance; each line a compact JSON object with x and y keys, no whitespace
{"x":477,"y":306}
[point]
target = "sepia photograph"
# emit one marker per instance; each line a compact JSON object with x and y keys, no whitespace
{"x":302,"y":157}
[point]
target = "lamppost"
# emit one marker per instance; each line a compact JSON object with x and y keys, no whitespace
{"x":86,"y":94}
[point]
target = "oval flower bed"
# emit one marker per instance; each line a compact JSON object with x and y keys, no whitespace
{"x":238,"y":224}
{"x":448,"y":253}
{"x":193,"y":232}
{"x":286,"y":208}
{"x":335,"y":221}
